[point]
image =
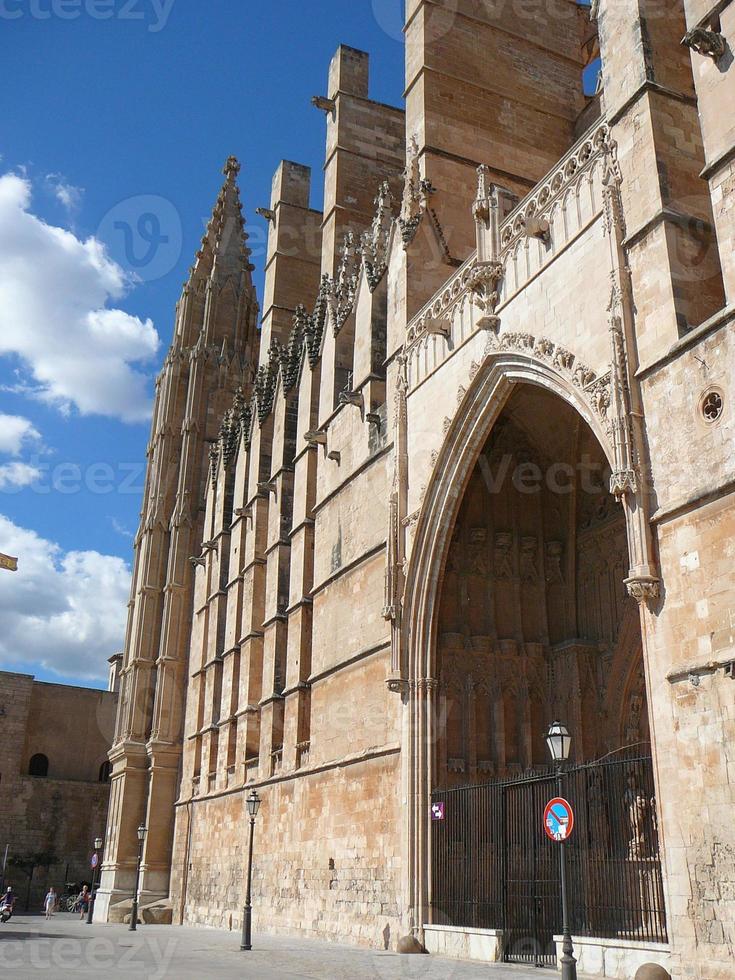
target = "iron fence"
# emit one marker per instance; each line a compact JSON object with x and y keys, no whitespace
{"x":494,"y":867}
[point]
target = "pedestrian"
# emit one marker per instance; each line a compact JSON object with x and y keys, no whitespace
{"x":49,"y":903}
{"x":83,"y":901}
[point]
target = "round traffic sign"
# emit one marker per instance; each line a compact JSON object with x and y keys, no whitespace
{"x":558,"y":819}
{"x":95,"y":860}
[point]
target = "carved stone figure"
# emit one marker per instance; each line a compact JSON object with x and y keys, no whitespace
{"x":503,"y":555}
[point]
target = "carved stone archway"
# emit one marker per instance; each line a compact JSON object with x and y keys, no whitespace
{"x":488,"y":393}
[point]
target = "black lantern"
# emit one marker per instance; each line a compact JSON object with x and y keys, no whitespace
{"x":253,"y":802}
{"x":142,"y":831}
{"x":559,"y":741}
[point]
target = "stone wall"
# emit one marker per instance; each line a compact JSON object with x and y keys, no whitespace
{"x":50,"y":824}
{"x":326,"y":855}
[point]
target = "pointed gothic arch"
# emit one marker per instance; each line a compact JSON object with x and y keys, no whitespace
{"x":502,"y":372}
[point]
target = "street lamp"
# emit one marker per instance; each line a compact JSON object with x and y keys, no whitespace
{"x":253,"y":802}
{"x":95,"y":865}
{"x":559,"y":742}
{"x":142,"y":831}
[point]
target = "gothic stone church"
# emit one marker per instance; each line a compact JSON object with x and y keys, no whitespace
{"x":467,"y":468}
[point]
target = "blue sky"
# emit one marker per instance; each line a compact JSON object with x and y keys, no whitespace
{"x":108,"y":122}
{"x":117,"y":116}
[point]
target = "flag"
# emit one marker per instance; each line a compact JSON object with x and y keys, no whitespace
{"x":8,"y":563}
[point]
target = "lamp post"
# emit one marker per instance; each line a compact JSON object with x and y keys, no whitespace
{"x":559,"y":742}
{"x":95,"y":865}
{"x":253,"y":802}
{"x":142,"y":831}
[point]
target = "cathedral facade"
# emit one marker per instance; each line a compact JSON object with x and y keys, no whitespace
{"x":468,"y":469}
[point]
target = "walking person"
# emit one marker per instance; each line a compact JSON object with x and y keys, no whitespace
{"x":84,"y":897}
{"x":49,"y":902}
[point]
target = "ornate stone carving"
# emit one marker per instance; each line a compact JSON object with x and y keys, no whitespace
{"x":583,"y":376}
{"x":266,"y":380}
{"x":324,"y":104}
{"x":538,"y":204}
{"x":529,"y":553}
{"x":397,"y":685}
{"x":482,"y":275}
{"x":622,"y":482}
{"x":554,"y":553}
{"x":709,"y":43}
{"x":411,"y":211}
{"x":342,"y":289}
{"x":484,"y":284}
{"x":374,"y":243}
{"x":314,"y":324}
{"x":517,"y":341}
{"x":643,"y":588}
{"x":503,"y":555}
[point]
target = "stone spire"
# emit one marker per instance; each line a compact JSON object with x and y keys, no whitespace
{"x":224,"y":251}
{"x":214,"y":352}
{"x":221,"y":270}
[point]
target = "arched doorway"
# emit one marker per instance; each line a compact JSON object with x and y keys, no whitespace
{"x":534,"y":622}
{"x":517,"y":613}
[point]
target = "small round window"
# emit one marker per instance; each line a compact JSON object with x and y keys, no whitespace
{"x":712,"y":405}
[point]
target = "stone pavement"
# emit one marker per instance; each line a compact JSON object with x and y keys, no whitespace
{"x":66,"y":947}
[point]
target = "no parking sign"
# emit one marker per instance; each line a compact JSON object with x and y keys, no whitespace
{"x":558,"y":819}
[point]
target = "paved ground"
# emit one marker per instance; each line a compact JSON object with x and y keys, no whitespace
{"x":66,"y":947}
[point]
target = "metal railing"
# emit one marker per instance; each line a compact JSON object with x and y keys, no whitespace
{"x":494,"y":867}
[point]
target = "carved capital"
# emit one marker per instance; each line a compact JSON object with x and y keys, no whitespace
{"x":426,"y":684}
{"x":622,"y":482}
{"x":705,"y":42}
{"x":397,"y":684}
{"x":643,"y":588}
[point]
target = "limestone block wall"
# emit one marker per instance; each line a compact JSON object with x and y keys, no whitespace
{"x":690,"y":642}
{"x":714,"y":78}
{"x":518,"y":118}
{"x":691,"y":457}
{"x":650,"y":102}
{"x":693,"y":727}
{"x":327,"y":855}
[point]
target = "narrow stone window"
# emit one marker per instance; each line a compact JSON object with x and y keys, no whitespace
{"x":105,"y":771}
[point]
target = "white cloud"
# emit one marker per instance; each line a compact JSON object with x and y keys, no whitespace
{"x":14,"y":431}
{"x":63,"y":610}
{"x":55,"y":292}
{"x":120,"y":528}
{"x":17,"y":474}
{"x":66,"y":194}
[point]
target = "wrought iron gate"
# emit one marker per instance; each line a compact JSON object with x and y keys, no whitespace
{"x":494,"y":867}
